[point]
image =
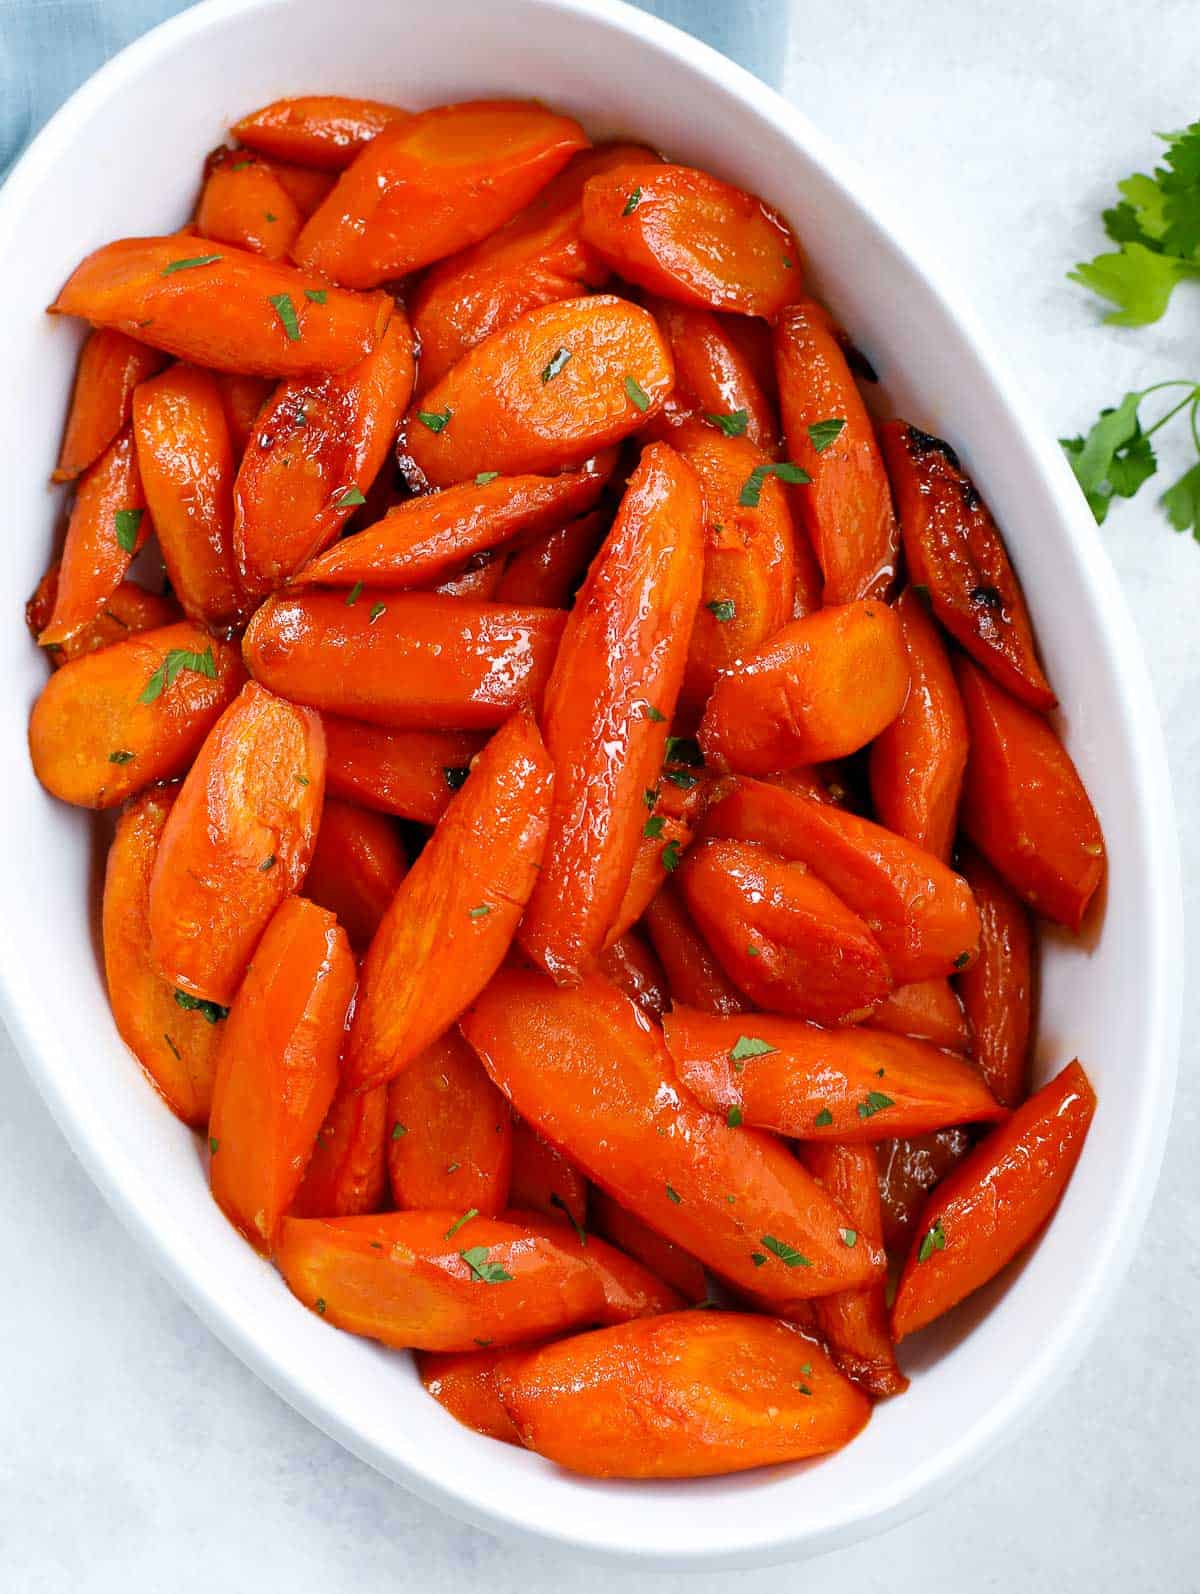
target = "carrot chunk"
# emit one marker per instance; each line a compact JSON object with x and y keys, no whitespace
{"x":357,"y":865}
{"x":997,"y":990}
{"x":111,"y":365}
{"x":322,"y":130}
{"x":347,"y":1174}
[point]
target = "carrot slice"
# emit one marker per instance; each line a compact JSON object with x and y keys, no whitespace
{"x":663,"y":1257}
{"x":175,"y":1041}
{"x":688,"y":1395}
{"x":347,"y":1174}
{"x":929,"y":1010}
{"x":243,"y":202}
{"x":412,"y":774}
{"x":545,"y":1181}
{"x":611,"y":694}
{"x":1024,"y":805}
{"x":955,"y":551}
{"x":463,"y":1383}
{"x":993,"y":1204}
{"x":128,"y":609}
{"x":715,"y":376}
{"x":224,"y":308}
{"x":277,"y":1067}
{"x":110,"y":366}
{"x":453,"y":918}
{"x":322,"y":130}
{"x":243,"y":398}
{"x":449,"y":1138}
{"x":109,"y":723}
{"x":590,"y":1072}
{"x":657,"y":857}
{"x":818,"y":1084}
{"x":695,"y":977}
{"x":434,"y":183}
{"x":908,"y":1170}
{"x":548,"y":570}
{"x":997,"y":990}
{"x":633,"y":967}
{"x":357,"y":866}
{"x":239,"y":840}
{"x":630,"y":1289}
{"x":306,"y":187}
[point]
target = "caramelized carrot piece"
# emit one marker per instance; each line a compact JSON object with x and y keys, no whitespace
{"x":430,"y":1281}
{"x":357,"y":866}
{"x":689,"y":236}
{"x":548,"y":391}
{"x":693,"y":973}
{"x":1024,"y":805}
{"x":846,"y":506}
{"x":997,"y":990}
{"x":239,"y":840}
{"x":462,"y":1382}
{"x":109,"y":723}
{"x":610,"y":696}
{"x":424,"y":539}
{"x":854,"y":1323}
{"x":820,"y":688}
{"x":224,"y":308}
{"x":316,"y":448}
{"x":688,"y":1395}
{"x":306,"y":187}
{"x":432,"y":184}
{"x":785,"y":940}
{"x":347,"y":1174}
{"x":993,"y":1204}
{"x":108,"y":526}
{"x":714,"y":375}
{"x":322,"y":130}
{"x":819,"y":1084}
{"x":591,"y":1073}
{"x":243,"y":398}
{"x":449,"y":1132}
{"x":412,"y":660}
{"x":922,"y":914}
{"x":477,"y":580}
{"x":543,"y":1180}
{"x":955,"y":551}
{"x":630,"y":1289}
{"x":657,"y":856}
{"x":662,"y":1256}
{"x":631,"y":964}
{"x":186,"y":459}
{"x":548,"y":570}
{"x":110,"y":366}
{"x":453,"y":918}
{"x":277,"y":1067}
{"x":243,"y":202}
{"x":412,"y":774}
{"x":929,"y":1010}
{"x":127,"y":610}
{"x":175,"y":1042}
{"x":908,"y":1171}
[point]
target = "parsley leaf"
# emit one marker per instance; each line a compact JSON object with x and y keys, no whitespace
{"x":212,"y":1011}
{"x":486,"y":476}
{"x":435,"y":420}
{"x":723,"y":609}
{"x":480,"y":912}
{"x":673,"y":1195}
{"x":752,"y":490}
{"x":670,"y":857}
{"x":126,"y":523}
{"x":822,"y":433}
{"x":557,"y":360}
{"x":733,"y":424}
{"x":632,"y":203}
{"x":189,"y":264}
{"x":354,"y":594}
{"x":347,"y":500}
{"x":316,"y":295}
{"x":933,"y":1240}
{"x":734,"y":1117}
{"x":283,"y":307}
{"x":786,"y":1253}
{"x":750,"y":1046}
{"x":122,"y":756}
{"x":486,"y":1272}
{"x":1117,"y":455}
{"x":823,"y":1119}
{"x":471,"y":1212}
{"x":636,"y":394}
{"x":580,"y":1233}
{"x":399,"y":1130}
{"x":653,"y":827}
{"x":876,"y":1101}
{"x":173,"y":665}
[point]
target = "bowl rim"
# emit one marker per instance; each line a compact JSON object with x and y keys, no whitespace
{"x":114,"y":1174}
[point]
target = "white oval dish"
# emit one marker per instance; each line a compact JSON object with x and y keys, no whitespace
{"x":123,"y":157}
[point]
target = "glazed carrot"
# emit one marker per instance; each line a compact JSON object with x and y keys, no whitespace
{"x":109,"y":723}
{"x":477,"y":580}
{"x":688,"y":1395}
{"x":127,"y":610}
{"x":108,"y":526}
{"x":693,"y":973}
{"x":432,"y":184}
{"x":277,"y":1067}
{"x":110,"y":366}
{"x":630,"y":1289}
{"x":993,"y":1204}
{"x":1024,"y":805}
{"x":908,"y":1170}
{"x":347,"y":1174}
{"x":633,"y":967}
{"x":657,"y":856}
{"x":929,"y":1010}
{"x":807,"y":780}
{"x":785,"y":940}
{"x":453,"y":918}
{"x":412,"y":774}
{"x":409,"y":660}
{"x":223,"y":307}
{"x":357,"y":866}
{"x":434,"y":1282}
{"x":548,"y":570}
{"x":591,"y":1073}
{"x":922,"y":914}
{"x":749,"y":556}
{"x":806,"y":594}
{"x":306,"y":187}
{"x":462,"y":1382}
{"x":323,"y":130}
{"x":955,"y":551}
{"x":186,"y":460}
{"x":424,"y":539}
{"x":917,"y":762}
{"x":997,"y":990}
{"x":175,"y":1042}
{"x":316,"y":448}
{"x":532,"y":260}
{"x":543,"y":1180}
{"x":662,"y":1256}
{"x":818,"y":1084}
{"x":239,"y":840}
{"x":689,"y":236}
{"x":449,"y":1135}
{"x":545,"y":392}
{"x":854,"y":1323}
{"x":610,"y":696}
{"x":820,"y":688}
{"x":243,"y":398}
{"x":243,"y":202}
{"x":846,"y":507}
{"x":714,"y":375}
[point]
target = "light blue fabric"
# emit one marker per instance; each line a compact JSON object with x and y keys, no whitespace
{"x":48,"y":47}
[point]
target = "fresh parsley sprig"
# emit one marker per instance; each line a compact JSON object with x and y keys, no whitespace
{"x":1117,"y":455}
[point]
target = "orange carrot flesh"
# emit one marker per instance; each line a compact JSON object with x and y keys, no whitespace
{"x":111,"y":365}
{"x":243,"y":202}
{"x":127,"y":610}
{"x":695,"y":977}
{"x":357,"y":865}
{"x":544,"y":1180}
{"x":714,"y":376}
{"x":929,"y":1010}
{"x":412,"y":774}
{"x":997,"y":990}
{"x":463,"y":1383}
{"x":347,"y":1173}
{"x":322,"y":130}
{"x":663,"y":1257}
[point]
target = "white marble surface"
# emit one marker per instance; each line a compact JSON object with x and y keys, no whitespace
{"x":136,"y":1454}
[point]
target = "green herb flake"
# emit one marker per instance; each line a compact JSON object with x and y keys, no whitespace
{"x":268,"y":863}
{"x":653,"y":828}
{"x":189,"y":264}
{"x":734,"y":1117}
{"x":173,"y":665}
{"x":823,"y":1119}
{"x":723,"y":609}
{"x":435,"y":420}
{"x":962,"y":960}
{"x":126,"y":523}
{"x":670,"y":857}
{"x":399,"y":1130}
{"x":684,"y":750}
{"x":486,"y":1272}
{"x":211,"y":1012}
{"x":376,"y":610}
{"x":267,"y":217}
{"x":934,"y":1239}
{"x":302,"y":778}
{"x":354,"y":594}
{"x":682,"y":778}
{"x":752,"y":490}
{"x":557,"y":360}
{"x":240,"y":166}
{"x":848,"y":1237}
{"x":213,"y":1143}
{"x":750,"y":1046}
{"x":481,"y":912}
{"x":733,"y":424}
{"x":804,"y":1389}
{"x":673,"y":1195}
{"x":632,"y":203}
{"x":580,"y":1233}
{"x":806,"y":1369}
{"x":350,"y":498}
{"x":786,"y":1253}
{"x":876,"y":1101}
{"x":172,"y":1045}
{"x":320,"y":1306}
{"x":316,"y":295}
{"x":654,"y":715}
{"x":486,"y":476}
{"x":283,"y":307}
{"x":822,"y":433}
{"x":455,"y":775}
{"x":636,"y":394}
{"x":471,"y":1212}
{"x":453,"y":1167}
{"x":758,"y":1258}
{"x":753,"y":951}
{"x":650,"y":796}
{"x":120,"y":757}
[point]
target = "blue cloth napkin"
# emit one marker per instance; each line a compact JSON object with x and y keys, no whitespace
{"x":48,"y":47}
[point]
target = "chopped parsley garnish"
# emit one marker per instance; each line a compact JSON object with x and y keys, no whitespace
{"x":750,"y":1046}
{"x":481,"y":912}
{"x":682,"y":778}
{"x":823,"y":1119}
{"x":213,"y":1142}
{"x":754,"y":951}
{"x":435,"y":420}
{"x":876,"y":1101}
{"x":354,"y":594}
{"x":317,"y":295}
{"x":933,"y":1240}
{"x":758,"y":1258}
{"x":486,"y":476}
{"x":348,"y":499}
{"x":120,"y":757}
{"x":848,"y":1237}
{"x":653,"y":827}
{"x":723,"y":609}
{"x":632,"y":203}
{"x":283,"y":307}
{"x":189,"y":264}
{"x":580,"y":1233}
{"x":321,"y":1305}
{"x":212,"y":1011}
{"x":670,"y":857}
{"x":376,"y":610}
{"x":822,"y":433}
{"x":173,"y":665}
{"x":962,"y":960}
{"x":267,"y":864}
{"x":486,"y":1272}
{"x":471,"y":1212}
{"x":684,"y":750}
{"x":752,"y":490}
{"x":126,"y":523}
{"x":455,"y":775}
{"x":786,"y":1253}
{"x":650,"y":796}
{"x":557,"y":360}
{"x":734,"y":1117}
{"x":636,"y":394}
{"x":654,"y":715}
{"x":673,"y":1195}
{"x":399,"y":1130}
{"x":733,"y":424}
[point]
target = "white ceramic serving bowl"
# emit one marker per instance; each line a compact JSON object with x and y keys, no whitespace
{"x":123,"y":157}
